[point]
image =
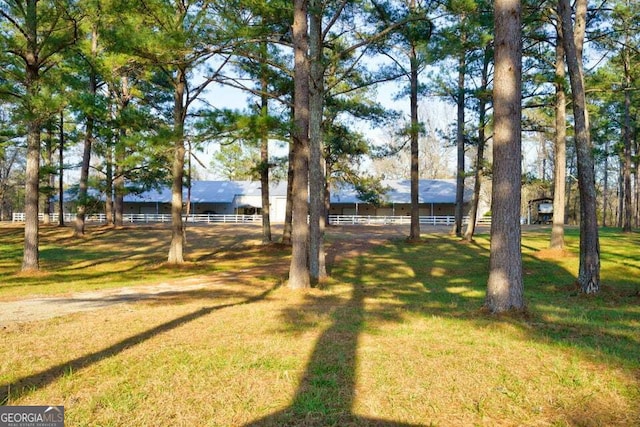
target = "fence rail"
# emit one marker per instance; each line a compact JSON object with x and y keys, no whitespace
{"x":400,"y":220}
{"x":150,"y":218}
{"x":247,"y":219}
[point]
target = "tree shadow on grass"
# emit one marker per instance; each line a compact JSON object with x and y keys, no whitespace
{"x":24,"y":385}
{"x":599,"y":328}
{"x":447,"y":283}
{"x":456,"y":281}
{"x":326,"y":393}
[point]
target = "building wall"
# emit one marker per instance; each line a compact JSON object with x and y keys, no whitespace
{"x":278,"y":205}
{"x":277,"y":215}
{"x":147,"y":208}
{"x":212,"y":208}
{"x":165,"y":208}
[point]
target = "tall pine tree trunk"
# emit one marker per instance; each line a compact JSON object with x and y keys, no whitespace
{"x":31,"y":255}
{"x":30,"y":260}
{"x":505,"y":287}
{"x":620,"y":209}
{"x":118,"y":180}
{"x":176,"y":249}
{"x":482,"y":125}
{"x":560,"y":147}
{"x":61,"y":171}
{"x":83,"y":186}
{"x":264,"y":158}
{"x":605,"y":187}
{"x":108,"y":203}
{"x":628,"y":206}
{"x":316,"y":170}
{"x":299,"y":276}
{"x":118,"y":159}
{"x":589,"y":270}
{"x":460,"y":98}
{"x":288,"y":210}
{"x":414,"y":232}
{"x":88,"y":139}
{"x":48,"y":202}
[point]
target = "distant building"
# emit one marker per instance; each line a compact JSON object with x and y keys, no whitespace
{"x":212,"y":197}
{"x":436,"y":198}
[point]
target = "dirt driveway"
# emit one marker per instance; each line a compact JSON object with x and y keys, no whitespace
{"x":30,"y":309}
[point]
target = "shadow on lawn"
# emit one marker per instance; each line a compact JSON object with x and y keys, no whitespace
{"x":556,"y":313}
{"x":547,"y":285}
{"x":410,"y":278}
{"x":327,"y":390}
{"x":122,"y":252}
{"x":41,"y":379}
{"x":450,"y":283}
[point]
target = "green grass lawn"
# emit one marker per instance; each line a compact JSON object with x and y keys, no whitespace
{"x":396,"y":336}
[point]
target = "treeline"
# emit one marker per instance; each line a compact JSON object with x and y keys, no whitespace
{"x":126,"y":82}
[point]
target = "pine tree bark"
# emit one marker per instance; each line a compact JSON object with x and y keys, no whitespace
{"x":589,"y":270}
{"x":119,"y":187}
{"x":264,"y":164}
{"x":605,"y":188}
{"x":48,"y":202}
{"x":620,"y":210}
{"x":560,"y":146}
{"x":505,"y":287}
{"x":88,"y":140}
{"x":414,"y":232}
{"x":288,"y":211}
{"x":460,"y":178}
{"x":176,"y":248}
{"x":61,"y":171}
{"x":108,"y":204}
{"x":299,"y":276}
{"x":31,"y":255}
{"x":628,"y":206}
{"x":482,"y":118}
{"x":317,"y":267}
{"x":119,"y":151}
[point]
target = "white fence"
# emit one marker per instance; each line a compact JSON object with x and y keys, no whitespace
{"x":151,"y":218}
{"x":400,"y":220}
{"x":247,"y":219}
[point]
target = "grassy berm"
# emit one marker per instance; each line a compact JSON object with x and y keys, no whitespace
{"x":396,"y":336}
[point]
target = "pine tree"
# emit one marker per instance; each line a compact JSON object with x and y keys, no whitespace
{"x":299,"y":277}
{"x":34,"y":33}
{"x":589,"y":269}
{"x":505,"y":286}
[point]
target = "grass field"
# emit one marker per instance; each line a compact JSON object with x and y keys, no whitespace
{"x":396,"y":336}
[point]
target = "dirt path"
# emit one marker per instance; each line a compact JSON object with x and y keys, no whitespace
{"x":30,"y":309}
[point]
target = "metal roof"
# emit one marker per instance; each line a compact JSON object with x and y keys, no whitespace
{"x":399,"y":191}
{"x":209,"y":192}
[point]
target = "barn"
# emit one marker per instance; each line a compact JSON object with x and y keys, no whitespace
{"x":436,"y":198}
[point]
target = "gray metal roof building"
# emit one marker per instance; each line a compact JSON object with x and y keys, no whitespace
{"x":399,"y":191}
{"x":436,"y":197}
